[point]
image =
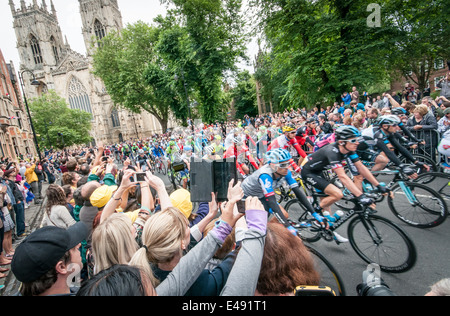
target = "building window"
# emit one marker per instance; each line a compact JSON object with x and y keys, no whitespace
{"x":99,"y":31}
{"x":115,"y":118}
{"x":78,"y":97}
{"x":36,"y":49}
{"x":19,"y":120}
{"x":439,"y":64}
{"x":54,"y":48}
{"x":436,"y":80}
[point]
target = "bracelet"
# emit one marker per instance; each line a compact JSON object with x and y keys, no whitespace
{"x":119,"y":199}
{"x":144,"y":208}
{"x":146,"y":186}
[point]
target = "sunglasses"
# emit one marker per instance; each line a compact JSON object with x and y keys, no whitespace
{"x":283,"y":165}
{"x":354,"y":141}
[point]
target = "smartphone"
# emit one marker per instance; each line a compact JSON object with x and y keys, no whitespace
{"x":105,"y":158}
{"x":139,"y":177}
{"x":241,"y":206}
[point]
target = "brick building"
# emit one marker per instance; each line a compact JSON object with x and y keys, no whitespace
{"x":16,"y":137}
{"x":439,"y":70}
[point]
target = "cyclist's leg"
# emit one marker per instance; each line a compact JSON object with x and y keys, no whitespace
{"x":357,"y":178}
{"x":381,"y":161}
{"x":333,"y":193}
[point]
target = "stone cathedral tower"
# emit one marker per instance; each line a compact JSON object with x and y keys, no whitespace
{"x":45,"y":51}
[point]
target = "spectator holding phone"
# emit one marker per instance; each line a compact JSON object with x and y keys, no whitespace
{"x":444,"y":85}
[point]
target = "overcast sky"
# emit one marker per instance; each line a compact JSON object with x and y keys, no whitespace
{"x":68,"y":13}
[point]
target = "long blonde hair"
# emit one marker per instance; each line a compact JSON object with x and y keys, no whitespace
{"x":162,"y":236}
{"x":113,"y":242}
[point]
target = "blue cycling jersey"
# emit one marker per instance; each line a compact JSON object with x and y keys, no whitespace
{"x":158,"y":152}
{"x":263,"y":181}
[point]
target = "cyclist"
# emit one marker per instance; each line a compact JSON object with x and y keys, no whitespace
{"x":142,"y":160}
{"x":332,"y":156}
{"x":217,"y":143}
{"x":157,"y":151}
{"x":172,"y":152}
{"x":235,"y":151}
{"x":286,"y":141}
{"x":263,"y":181}
{"x":186,"y":158}
{"x":383,"y":138}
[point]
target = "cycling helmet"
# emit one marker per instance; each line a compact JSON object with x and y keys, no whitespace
{"x":172,"y":143}
{"x":288,"y":128}
{"x":399,"y":111}
{"x":237,"y":140}
{"x":388,"y":120}
{"x":187,"y":148}
{"x":347,"y":132}
{"x":278,"y":155}
{"x":210,"y":150}
{"x":141,"y":151}
{"x":301,"y":132}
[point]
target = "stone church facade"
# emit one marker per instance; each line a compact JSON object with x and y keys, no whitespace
{"x":45,"y":51}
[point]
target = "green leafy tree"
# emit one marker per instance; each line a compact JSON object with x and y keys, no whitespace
{"x":421,"y":33}
{"x":323,"y":47}
{"x":122,"y":61}
{"x":56,"y":124}
{"x":244,"y":95}
{"x":212,"y":41}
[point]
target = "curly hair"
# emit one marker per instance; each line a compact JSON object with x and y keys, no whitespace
{"x":55,"y":196}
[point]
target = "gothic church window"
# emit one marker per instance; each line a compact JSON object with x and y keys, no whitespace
{"x":78,"y":97}
{"x":54,"y":48}
{"x":36,"y":49}
{"x":99,"y":31}
{"x":115,"y":118}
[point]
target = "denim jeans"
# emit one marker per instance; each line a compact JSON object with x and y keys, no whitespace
{"x":19,"y":209}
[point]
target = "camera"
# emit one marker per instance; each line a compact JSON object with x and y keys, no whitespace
{"x":373,"y":285}
{"x":139,"y":177}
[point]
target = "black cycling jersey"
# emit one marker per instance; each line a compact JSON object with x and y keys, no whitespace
{"x":328,"y":157}
{"x":382,"y":139}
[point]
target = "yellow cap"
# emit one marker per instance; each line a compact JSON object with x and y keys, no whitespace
{"x":181,"y":199}
{"x":102,"y":195}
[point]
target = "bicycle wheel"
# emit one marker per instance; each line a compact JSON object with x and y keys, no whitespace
{"x":425,"y":159}
{"x":328,"y":274}
{"x":378,"y":240}
{"x":306,"y":229}
{"x":417,"y":205}
{"x":438,"y":181}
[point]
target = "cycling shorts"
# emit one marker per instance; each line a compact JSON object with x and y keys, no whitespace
{"x":315,"y":180}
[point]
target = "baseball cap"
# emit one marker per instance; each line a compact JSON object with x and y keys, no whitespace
{"x":42,"y":249}
{"x":447,"y":111}
{"x":181,"y":199}
{"x":102,"y":195}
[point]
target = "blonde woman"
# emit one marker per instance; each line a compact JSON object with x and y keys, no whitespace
{"x":113,"y":242}
{"x":423,"y":125}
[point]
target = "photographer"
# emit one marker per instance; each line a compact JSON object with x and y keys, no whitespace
{"x":444,"y":85}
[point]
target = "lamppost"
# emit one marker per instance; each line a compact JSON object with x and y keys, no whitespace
{"x":34,"y":82}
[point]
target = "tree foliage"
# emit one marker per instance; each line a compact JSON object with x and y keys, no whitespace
{"x":212,"y":40}
{"x":323,"y":47}
{"x":52,"y":117}
{"x":421,"y":34}
{"x":244,"y":95}
{"x":121,"y":62}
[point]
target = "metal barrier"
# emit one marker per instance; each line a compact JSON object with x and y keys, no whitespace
{"x":432,"y":139}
